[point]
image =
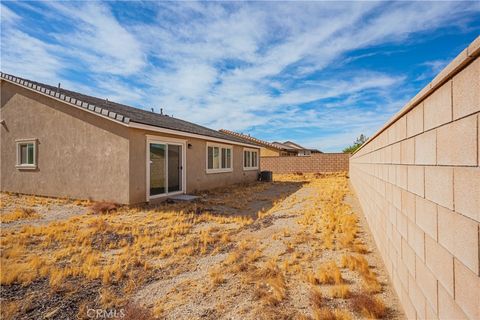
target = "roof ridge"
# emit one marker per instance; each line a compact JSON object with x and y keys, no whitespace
{"x":34,"y":85}
{"x":248,"y":137}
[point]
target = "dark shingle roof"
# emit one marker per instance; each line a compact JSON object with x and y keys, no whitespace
{"x":249,"y":139}
{"x":120,"y":112}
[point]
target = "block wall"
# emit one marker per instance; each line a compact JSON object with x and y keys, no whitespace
{"x":317,"y":162}
{"x":418,"y":181}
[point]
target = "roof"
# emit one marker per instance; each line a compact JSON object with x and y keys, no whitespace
{"x":294,"y":145}
{"x":283,"y":146}
{"x":250,"y":139}
{"x":119,"y":112}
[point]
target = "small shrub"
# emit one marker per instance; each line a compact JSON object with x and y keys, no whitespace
{"x":329,"y":274}
{"x":216,"y":276}
{"x":316,"y":298}
{"x":331,"y":314}
{"x":340,"y":291}
{"x":372,"y":308}
{"x":19,"y":214}
{"x":104,"y":207}
{"x":134,"y":311}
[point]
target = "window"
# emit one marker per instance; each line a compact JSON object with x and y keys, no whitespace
{"x":250,"y":159}
{"x":219,"y":158}
{"x":26,"y":154}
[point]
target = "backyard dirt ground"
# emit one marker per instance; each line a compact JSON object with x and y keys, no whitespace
{"x":295,"y":248}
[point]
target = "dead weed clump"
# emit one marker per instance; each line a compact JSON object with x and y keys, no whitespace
{"x":329,"y":273}
{"x":104,"y":207}
{"x":19,"y":214}
{"x":369,"y":307}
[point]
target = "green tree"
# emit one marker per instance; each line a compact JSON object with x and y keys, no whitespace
{"x":357,"y":144}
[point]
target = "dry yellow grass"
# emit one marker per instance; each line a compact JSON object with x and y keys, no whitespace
{"x":19,"y":214}
{"x":329,"y":273}
{"x":340,"y":291}
{"x":120,"y":251}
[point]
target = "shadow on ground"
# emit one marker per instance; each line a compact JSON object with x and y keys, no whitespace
{"x":243,"y":200}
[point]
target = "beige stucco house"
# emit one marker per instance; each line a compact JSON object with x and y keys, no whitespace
{"x":274,"y":149}
{"x":61,"y":143}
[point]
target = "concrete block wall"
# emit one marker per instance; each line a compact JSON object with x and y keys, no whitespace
{"x":317,"y":162}
{"x":418,"y":181}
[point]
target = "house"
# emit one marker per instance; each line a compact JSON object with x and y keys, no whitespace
{"x":267,"y":149}
{"x":61,"y":143}
{"x":273,"y":149}
{"x":295,"y":148}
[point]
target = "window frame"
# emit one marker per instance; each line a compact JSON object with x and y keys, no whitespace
{"x":18,"y":144}
{"x":250,"y":164}
{"x":221,"y":155}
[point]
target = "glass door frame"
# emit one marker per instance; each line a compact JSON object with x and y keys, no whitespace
{"x":166,"y":141}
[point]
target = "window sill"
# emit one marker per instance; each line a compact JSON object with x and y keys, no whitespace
{"x":26,"y":167}
{"x":250,"y":168}
{"x":218,"y":170}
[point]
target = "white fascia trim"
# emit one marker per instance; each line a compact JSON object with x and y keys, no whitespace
{"x":137,"y":125}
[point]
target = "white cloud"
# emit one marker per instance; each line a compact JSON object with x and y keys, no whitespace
{"x":233,"y":65}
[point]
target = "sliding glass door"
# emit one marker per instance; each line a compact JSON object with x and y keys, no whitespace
{"x":174,"y":168}
{"x":166,"y":168}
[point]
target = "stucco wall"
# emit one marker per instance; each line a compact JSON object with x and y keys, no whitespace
{"x":418,"y":181}
{"x":317,"y":162}
{"x":196,"y":173}
{"x":79,"y":154}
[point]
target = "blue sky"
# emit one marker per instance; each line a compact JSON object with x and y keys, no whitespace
{"x":318,"y":73}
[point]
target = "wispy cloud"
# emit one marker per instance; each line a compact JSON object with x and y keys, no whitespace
{"x":275,"y":69}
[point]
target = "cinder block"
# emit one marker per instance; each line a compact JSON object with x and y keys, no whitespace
{"x":466,"y":192}
{"x":415,"y":121}
{"x":407,"y":151}
{"x":416,"y":180}
{"x":438,"y":107}
{"x":439,"y":185}
{"x":397,"y":197}
{"x":407,"y":304}
{"x":396,"y":153}
{"x":418,"y":299}
{"x":408,"y":257}
{"x":459,"y":235}
{"x":408,"y":204}
{"x":397,"y":240}
{"x":416,"y":239}
{"x":467,"y":290}
{"x":402,"y":224}
{"x":440,"y":261}
{"x":427,"y":283}
{"x":447,"y":308}
{"x":426,"y":148}
{"x":402,"y":271}
{"x":402,"y":177}
{"x":400,"y":128}
{"x":457,"y":142}
{"x":430,"y":314}
{"x":466,"y":91}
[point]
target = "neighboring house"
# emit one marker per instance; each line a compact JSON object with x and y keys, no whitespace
{"x":273,"y":149}
{"x":295,"y":148}
{"x":267,"y":149}
{"x":56,"y":142}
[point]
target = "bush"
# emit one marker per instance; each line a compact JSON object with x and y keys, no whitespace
{"x":104,"y":207}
